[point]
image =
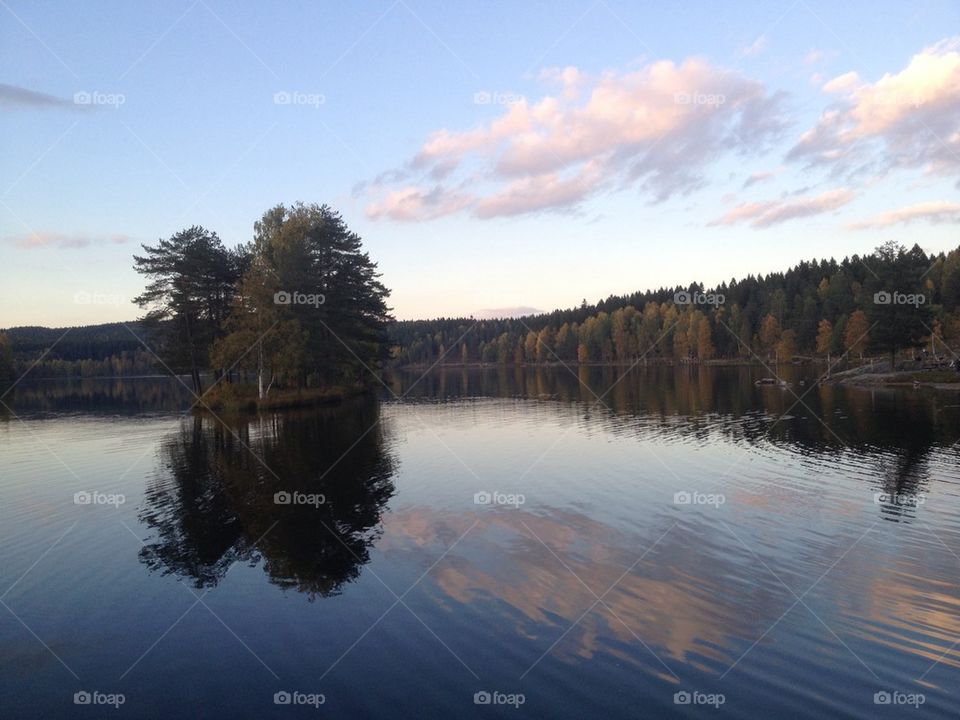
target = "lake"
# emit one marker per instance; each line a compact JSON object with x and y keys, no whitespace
{"x":505,"y":542}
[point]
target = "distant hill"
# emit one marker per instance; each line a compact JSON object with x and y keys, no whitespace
{"x":108,"y":349}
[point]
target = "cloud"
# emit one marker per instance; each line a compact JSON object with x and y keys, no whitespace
{"x":657,"y":128}
{"x":772,"y":212}
{"x":18,"y":97}
{"x":910,"y":119}
{"x":411,"y":204}
{"x":759,"y":177}
{"x":934,"y":212}
{"x":507,"y":312}
{"x":61,"y":241}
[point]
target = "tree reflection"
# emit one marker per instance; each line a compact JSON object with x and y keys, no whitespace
{"x":214,"y":504}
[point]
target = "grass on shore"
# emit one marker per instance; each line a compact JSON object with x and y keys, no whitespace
{"x":236,"y":397}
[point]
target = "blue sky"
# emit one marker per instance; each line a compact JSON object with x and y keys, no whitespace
{"x":491,"y":155}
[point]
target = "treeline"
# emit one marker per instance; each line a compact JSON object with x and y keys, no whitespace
{"x":891,"y":300}
{"x":300,"y":306}
{"x":93,"y":351}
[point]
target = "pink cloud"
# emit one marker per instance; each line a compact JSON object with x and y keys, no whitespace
{"x":934,"y":212}
{"x":913,"y":114}
{"x":64,"y":242}
{"x":657,"y":128}
{"x":772,"y":212}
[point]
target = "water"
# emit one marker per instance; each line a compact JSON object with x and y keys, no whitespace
{"x":670,"y":531}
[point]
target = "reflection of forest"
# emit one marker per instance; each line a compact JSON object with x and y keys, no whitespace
{"x":214,"y":503}
{"x":697,"y":401}
{"x":100,"y":396}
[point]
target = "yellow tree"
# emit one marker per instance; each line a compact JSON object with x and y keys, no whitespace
{"x":705,"y":349}
{"x":856,"y":334}
{"x":824,"y":337}
{"x":769,"y":334}
{"x":787,"y":345}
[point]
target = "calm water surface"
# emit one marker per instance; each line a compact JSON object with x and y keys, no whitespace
{"x":602,"y":547}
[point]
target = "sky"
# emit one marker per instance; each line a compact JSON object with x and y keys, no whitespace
{"x":490,"y":154}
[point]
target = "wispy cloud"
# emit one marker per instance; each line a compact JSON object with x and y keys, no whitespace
{"x":12,"y":96}
{"x":656,"y":129}
{"x":933,"y":212}
{"x":60,"y":241}
{"x":772,"y":212}
{"x":910,"y":119}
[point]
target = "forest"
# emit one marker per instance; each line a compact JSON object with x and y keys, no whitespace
{"x":892,"y":300}
{"x":302,"y":306}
